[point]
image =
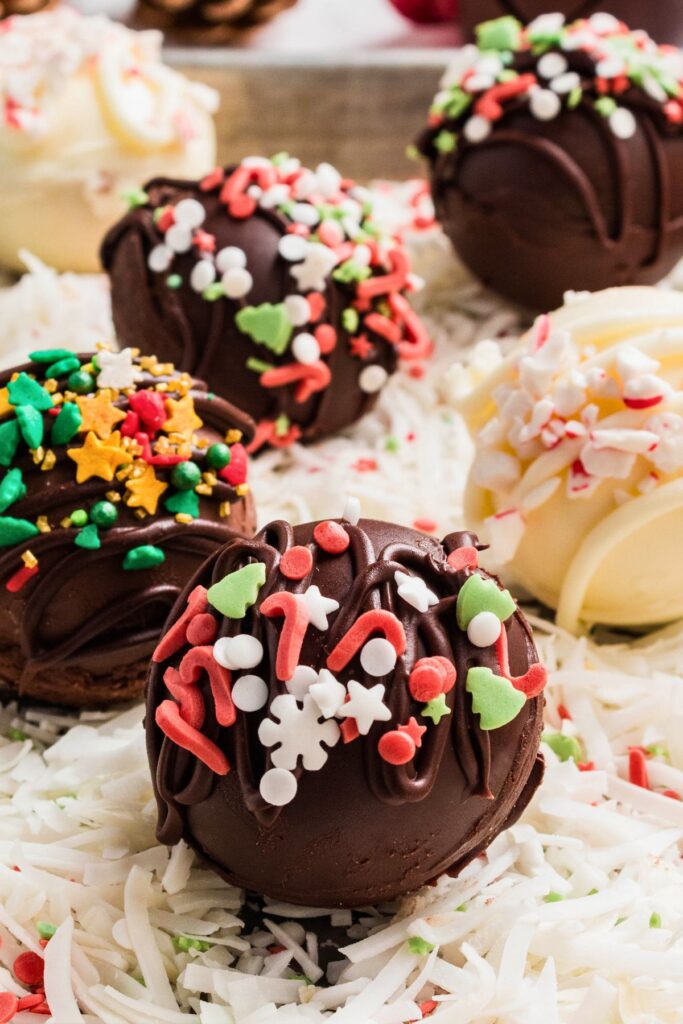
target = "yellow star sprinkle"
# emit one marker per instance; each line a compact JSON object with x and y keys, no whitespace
{"x":96,"y":458}
{"x":99,"y":413}
{"x":5,"y":404}
{"x":145,"y":490}
{"x":182,"y":419}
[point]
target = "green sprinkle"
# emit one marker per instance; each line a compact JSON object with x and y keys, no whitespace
{"x":445,"y":141}
{"x":462,"y":909}
{"x":302,"y":978}
{"x":9,"y":442}
{"x":350,"y":320}
{"x":174,"y":281}
{"x":282,"y":425}
{"x":605,"y":106}
{"x":655,"y":920}
{"x":567,"y":748}
{"x":146,"y":556}
{"x":483,"y":595}
{"x":135,"y":197}
{"x":45,"y":929}
{"x":14,"y":531}
{"x":25,"y":391}
{"x":419,"y":946}
{"x":436,"y":709}
{"x":619,"y":920}
{"x":213,"y":292}
{"x":412,"y":152}
{"x":392,"y":444}
{"x":499,"y":34}
{"x":81,"y":382}
{"x":186,"y":476}
{"x":494,"y":698}
{"x":50,"y":355}
{"x":267,"y":324}
{"x":279,"y":158}
{"x":457,"y":103}
{"x":574,"y":97}
{"x":12,"y":489}
{"x":67,"y":424}
{"x":657,"y":750}
{"x":16,"y":735}
{"x":31,"y":425}
{"x":183,"y":943}
{"x":350,"y":271}
{"x":238,"y":591}
{"x":553,"y":897}
{"x":88,"y":538}
{"x":218,"y":456}
{"x":593,"y":892}
{"x":63,"y":367}
{"x":79,"y":517}
{"x":104,"y":514}
{"x":184,"y":503}
{"x":258,"y":365}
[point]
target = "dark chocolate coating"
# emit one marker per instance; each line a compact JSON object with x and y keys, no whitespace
{"x":80,"y":632}
{"x":540,"y":207}
{"x":359,"y":830}
{"x":662,"y":19}
{"x":202,"y":338}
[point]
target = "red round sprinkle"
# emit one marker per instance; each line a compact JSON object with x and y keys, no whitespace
{"x":326,"y":336}
{"x":332,"y":537}
{"x":396,"y":748}
{"x":28,"y":969}
{"x":202,"y":629}
{"x":425,"y":525}
{"x":296,"y":563}
{"x":9,"y":1004}
{"x":316,"y":303}
{"x":426,"y":682}
{"x":463,"y":558}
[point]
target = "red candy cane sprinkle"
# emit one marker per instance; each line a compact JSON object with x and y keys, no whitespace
{"x":296,"y":563}
{"x":293,"y":631}
{"x":637,"y":768}
{"x":168,"y":719}
{"x":376,"y":621}
{"x":331,"y":537}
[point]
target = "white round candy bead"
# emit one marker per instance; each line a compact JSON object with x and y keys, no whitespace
{"x":235,"y":652}
{"x":237,"y":282}
{"x":378,"y":657}
{"x":305,"y":213}
{"x":484,"y":629}
{"x":372,"y":379}
{"x":306,"y":349}
{"x":249,"y":693}
{"x":178,"y":238}
{"x":292,"y":248}
{"x":623,"y":123}
{"x":544,"y":104}
{"x":160,"y":258}
{"x":230,"y":257}
{"x":189,"y":213}
{"x":304,"y":676}
{"x":552,"y":64}
{"x":203,"y":274}
{"x":477,"y":129}
{"x":297,"y":309}
{"x":278,"y":787}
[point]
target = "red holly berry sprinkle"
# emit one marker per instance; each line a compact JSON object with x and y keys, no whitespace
{"x":296,"y":563}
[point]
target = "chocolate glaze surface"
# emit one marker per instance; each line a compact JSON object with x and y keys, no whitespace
{"x":80,"y":632}
{"x":359,"y":830}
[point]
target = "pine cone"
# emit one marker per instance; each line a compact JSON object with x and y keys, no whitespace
{"x":207,"y":21}
{"x":10,"y":7}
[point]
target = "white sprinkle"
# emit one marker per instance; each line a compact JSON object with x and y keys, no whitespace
{"x":203,"y":274}
{"x":484,"y":629}
{"x":189,"y":213}
{"x":304,"y":676}
{"x":292,"y":248}
{"x":551,"y":65}
{"x":479,"y":83}
{"x":297,"y":309}
{"x":250,"y":693}
{"x":544,"y":104}
{"x":255,"y":192}
{"x":362,"y":255}
{"x":610,"y":67}
{"x":159,"y":259}
{"x":278,"y":787}
{"x":623,"y":123}
{"x":378,"y":656}
{"x":236,"y":652}
{"x":230,"y":258}
{"x":352,"y":510}
{"x":178,"y":238}
{"x":276,"y":195}
{"x":306,"y":349}
{"x":603,"y":24}
{"x":372,"y":379}
{"x":565,"y":83}
{"x":237,"y":282}
{"x":305,"y":213}
{"x":477,"y":128}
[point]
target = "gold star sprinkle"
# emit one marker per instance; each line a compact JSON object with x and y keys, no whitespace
{"x":5,"y":404}
{"x":182,"y":419}
{"x":99,"y":413}
{"x":145,"y":490}
{"x":96,"y":458}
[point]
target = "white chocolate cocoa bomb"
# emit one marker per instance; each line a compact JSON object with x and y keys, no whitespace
{"x":89,"y":112}
{"x":577,"y":480}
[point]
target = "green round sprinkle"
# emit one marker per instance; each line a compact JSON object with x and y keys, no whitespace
{"x":146,"y":556}
{"x":553,"y":897}
{"x":81,"y":382}
{"x":655,"y":920}
{"x":16,"y":735}
{"x":186,"y":476}
{"x":213,"y":292}
{"x":79,"y":517}
{"x":63,"y":367}
{"x":174,"y":281}
{"x":45,"y":929}
{"x":104,"y":513}
{"x":135,"y":197}
{"x":218,"y":456}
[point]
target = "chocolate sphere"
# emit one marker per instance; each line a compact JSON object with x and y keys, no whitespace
{"x":97,"y":532}
{"x":363,"y":713}
{"x":273,"y":283}
{"x":663,"y":19}
{"x":556,"y":157}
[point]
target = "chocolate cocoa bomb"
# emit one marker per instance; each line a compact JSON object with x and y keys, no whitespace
{"x":111,"y":495}
{"x":273,"y":283}
{"x":338,"y":713}
{"x":556,"y":158}
{"x":663,"y":19}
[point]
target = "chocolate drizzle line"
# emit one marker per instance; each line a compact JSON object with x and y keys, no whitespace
{"x":183,"y":780}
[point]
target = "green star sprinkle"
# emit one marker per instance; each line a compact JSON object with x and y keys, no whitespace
{"x":238,"y":591}
{"x":267,"y":324}
{"x":12,"y":489}
{"x":482,"y":595}
{"x":420,"y":947}
{"x":26,"y":391}
{"x":67,"y":424}
{"x":146,"y":556}
{"x":436,"y":709}
{"x":494,"y":698}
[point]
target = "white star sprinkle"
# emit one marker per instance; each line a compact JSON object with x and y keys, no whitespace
{"x":328,"y":693}
{"x":117,"y":369}
{"x":415,"y":591}
{"x":318,"y":607}
{"x":312,"y":273}
{"x":366,"y":706}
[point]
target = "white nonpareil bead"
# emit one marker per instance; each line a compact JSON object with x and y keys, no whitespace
{"x":297,"y":309}
{"x":544,"y":104}
{"x":230,"y":257}
{"x":159,"y":259}
{"x":178,"y":238}
{"x":623,"y":123}
{"x":250,"y":693}
{"x":484,"y":629}
{"x":372,"y":379}
{"x":552,"y":64}
{"x":305,"y":349}
{"x":236,"y":652}
{"x":292,"y":248}
{"x":278,"y":787}
{"x":378,"y":657}
{"x":237,"y":282}
{"x":189,"y":213}
{"x":477,"y":129}
{"x":203,"y":274}
{"x":302,"y":680}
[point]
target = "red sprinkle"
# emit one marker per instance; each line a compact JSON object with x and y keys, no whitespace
{"x":671,"y":793}
{"x":20,"y":578}
{"x":376,"y":621}
{"x":189,"y":698}
{"x":236,"y":470}
{"x":415,"y":731}
{"x":149,"y":406}
{"x":9,"y":1004}
{"x":586,"y":766}
{"x":28,"y":968}
{"x":296,"y":563}
{"x":311,"y":378}
{"x":331,"y":537}
{"x":463,"y":558}
{"x":396,"y":747}
{"x":533,"y":682}
{"x":202,"y":630}
{"x":564,"y":712}
{"x":201,"y":659}
{"x":360,"y":347}
{"x":176,"y":637}
{"x":30,"y":1001}
{"x":349,"y":730}
{"x":212,"y":180}
{"x":242,"y":207}
{"x":426,"y":681}
{"x":317,"y":305}
{"x":166,"y":219}
{"x":637,"y":768}
{"x":428,"y":1007}
{"x":326,"y":336}
{"x":168,"y":719}
{"x":293,"y":631}
{"x":425,"y":525}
